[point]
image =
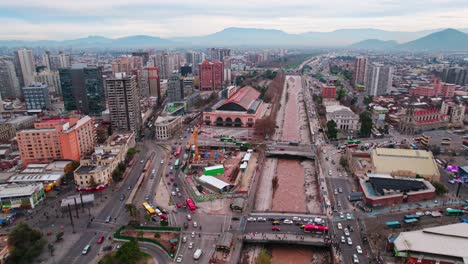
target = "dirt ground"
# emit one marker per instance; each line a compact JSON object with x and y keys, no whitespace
{"x":217,"y":206}
{"x":162,"y":194}
{"x":265,"y":194}
{"x":164,"y":239}
{"x":312,"y":195}
{"x":246,"y":177}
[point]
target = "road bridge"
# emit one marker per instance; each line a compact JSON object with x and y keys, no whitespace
{"x":286,"y":238}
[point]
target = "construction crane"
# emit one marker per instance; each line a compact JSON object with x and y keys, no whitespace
{"x":192,"y":144}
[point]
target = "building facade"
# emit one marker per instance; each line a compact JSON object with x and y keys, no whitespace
{"x":124,"y":105}
{"x":150,"y":83}
{"x":15,"y":196}
{"x":328,"y":91}
{"x":36,"y":96}
{"x":9,"y":84}
{"x":7,"y":132}
{"x":211,"y":75}
{"x":343,"y":116}
{"x":360,"y":70}
{"x":175,"y":89}
{"x":51,"y":78}
{"x":378,"y":79}
{"x":165,"y":127}
{"x":418,"y":120}
{"x":56,"y":138}
{"x":25,"y":69}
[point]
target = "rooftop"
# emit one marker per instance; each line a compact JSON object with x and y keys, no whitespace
{"x":89,"y":168}
{"x":242,"y":100}
{"x":391,"y":185}
{"x":36,"y":177}
{"x":448,"y":240}
{"x":15,"y":190}
{"x":218,"y":184}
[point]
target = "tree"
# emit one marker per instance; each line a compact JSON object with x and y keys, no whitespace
{"x":440,"y":188}
{"x":366,"y":124}
{"x":340,"y":94}
{"x":58,"y":236}
{"x":344,"y":161}
{"x":331,"y":129}
{"x":129,"y":253}
{"x":264,"y":257}
{"x":140,"y":233}
{"x":27,"y":243}
{"x":353,"y":100}
{"x":265,"y":126}
{"x":71,"y":167}
{"x":51,"y":249}
{"x":367,"y":100}
{"x":157,"y":235}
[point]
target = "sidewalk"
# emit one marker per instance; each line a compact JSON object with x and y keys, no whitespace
{"x":416,"y":206}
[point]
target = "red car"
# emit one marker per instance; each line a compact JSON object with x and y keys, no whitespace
{"x":275,"y":228}
{"x":172,"y":179}
{"x":178,"y":205}
{"x":100,"y":240}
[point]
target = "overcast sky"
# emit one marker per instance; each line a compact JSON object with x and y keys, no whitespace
{"x":67,"y":19}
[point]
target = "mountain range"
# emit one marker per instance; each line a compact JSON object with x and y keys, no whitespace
{"x":437,"y":39}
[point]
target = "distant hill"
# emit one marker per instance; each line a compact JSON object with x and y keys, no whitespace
{"x":374,"y":44}
{"x":445,"y":40}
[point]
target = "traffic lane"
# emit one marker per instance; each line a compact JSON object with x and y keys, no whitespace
{"x":356,"y":239}
{"x":157,"y":253}
{"x":266,"y":227}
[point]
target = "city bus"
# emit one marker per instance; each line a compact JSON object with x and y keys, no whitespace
{"x":393,"y":224}
{"x":410,"y":221}
{"x":150,"y":210}
{"x":226,"y":139}
{"x":352,"y":145}
{"x":357,"y":141}
{"x":315,"y":229}
{"x":453,"y":212}
{"x":178,"y":151}
{"x":176,"y":164}
{"x":191,"y":205}
{"x":411,"y":216}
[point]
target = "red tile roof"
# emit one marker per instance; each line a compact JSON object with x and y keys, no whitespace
{"x":244,"y":97}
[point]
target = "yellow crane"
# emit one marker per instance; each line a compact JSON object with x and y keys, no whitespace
{"x":193,"y":141}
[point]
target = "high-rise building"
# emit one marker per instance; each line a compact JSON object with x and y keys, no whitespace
{"x":218,"y":53}
{"x":162,"y":62}
{"x":143,"y":54}
{"x":25,"y":68}
{"x":194,"y":58}
{"x":186,"y":70}
{"x":455,"y":75}
{"x":65,"y":60}
{"x":149,"y":83}
{"x":360,"y":70}
{"x":175,"y":89}
{"x":188,"y":86}
{"x":9,"y":83}
{"x":51,"y":78}
{"x":36,"y":96}
{"x":57,"y":138}
{"x":83,"y":89}
{"x":124,"y":106}
{"x":379,"y":79}
{"x":123,"y":64}
{"x":46,"y":60}
{"x":211,"y":75}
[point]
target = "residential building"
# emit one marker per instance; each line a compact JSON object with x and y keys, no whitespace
{"x":188,"y":86}
{"x":328,"y":91}
{"x":360,"y":70}
{"x":15,"y":196}
{"x":242,"y":109}
{"x":150,"y":83}
{"x":7,"y":132}
{"x":194,"y":58}
{"x":175,"y":89}
{"x":65,"y":60}
{"x":9,"y":84}
{"x":455,"y":75}
{"x":124,"y":105}
{"x":143,"y":54}
{"x":454,"y":112}
{"x":418,"y":120}
{"x":446,"y":141}
{"x":440,"y":244}
{"x":57,"y":138}
{"x":211,"y":75}
{"x":163,"y":63}
{"x":126,"y":64}
{"x":167,"y":126}
{"x":218,"y":53}
{"x":51,"y":78}
{"x":378,"y":79}
{"x":100,"y":165}
{"x":24,"y":64}
{"x":55,"y":62}
{"x":343,"y":116}
{"x":436,"y":89}
{"x":36,"y":96}
{"x":83,"y":89}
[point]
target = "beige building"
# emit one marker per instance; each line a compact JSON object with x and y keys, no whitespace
{"x":7,"y":132}
{"x":166,"y":126}
{"x":405,"y":162}
{"x":343,"y":116}
{"x":104,"y":160}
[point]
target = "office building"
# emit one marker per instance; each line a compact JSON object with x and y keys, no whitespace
{"x":55,"y":62}
{"x":455,"y":75}
{"x":124,"y":106}
{"x":211,"y":75}
{"x":162,"y":62}
{"x":360,"y":70}
{"x":379,"y":79}
{"x":175,"y":89}
{"x":9,"y":84}
{"x":126,"y":64}
{"x":57,"y":138}
{"x":150,"y":83}
{"x":83,"y":89}
{"x":36,"y":96}
{"x":24,"y":64}
{"x":194,"y":58}
{"x":218,"y":53}
{"x":51,"y":78}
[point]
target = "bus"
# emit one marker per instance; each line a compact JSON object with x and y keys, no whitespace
{"x":176,"y":164}
{"x":191,"y":205}
{"x":453,"y":212}
{"x":352,"y":145}
{"x":393,"y":224}
{"x":150,"y":210}
{"x":226,"y":139}
{"x":357,"y":141}
{"x":178,"y":151}
{"x":410,"y":221}
{"x":411,"y":216}
{"x":315,"y":229}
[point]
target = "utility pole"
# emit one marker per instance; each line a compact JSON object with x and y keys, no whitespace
{"x":76,"y":208}
{"x":71,"y":218}
{"x":81,"y":198}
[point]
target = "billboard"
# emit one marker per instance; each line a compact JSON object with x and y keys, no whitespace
{"x":452,"y":168}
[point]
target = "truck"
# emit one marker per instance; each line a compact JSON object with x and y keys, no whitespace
{"x":197,"y":254}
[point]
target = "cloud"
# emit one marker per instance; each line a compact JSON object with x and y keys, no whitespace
{"x":64,"y":19}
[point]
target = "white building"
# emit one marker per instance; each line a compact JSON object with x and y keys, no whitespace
{"x":24,"y":60}
{"x":343,"y":116}
{"x":51,"y":78}
{"x":378,"y":79}
{"x":166,"y":126}
{"x":20,"y":195}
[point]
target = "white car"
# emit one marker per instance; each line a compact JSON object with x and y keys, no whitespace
{"x":359,"y":249}
{"x":343,"y":239}
{"x":195,"y":224}
{"x":340,"y":190}
{"x":329,"y":172}
{"x":251,"y":219}
{"x":348,"y":216}
{"x":153,"y":171}
{"x":190,"y":245}
{"x":341,"y":215}
{"x":340,"y":226}
{"x":162,"y":161}
{"x":189,"y":217}
{"x":355,"y":258}
{"x":295,"y":218}
{"x":173,"y":193}
{"x":287,"y":222}
{"x":193,"y":234}
{"x":179,"y":259}
{"x":261,"y":219}
{"x":346,"y":232}
{"x":349,"y":241}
